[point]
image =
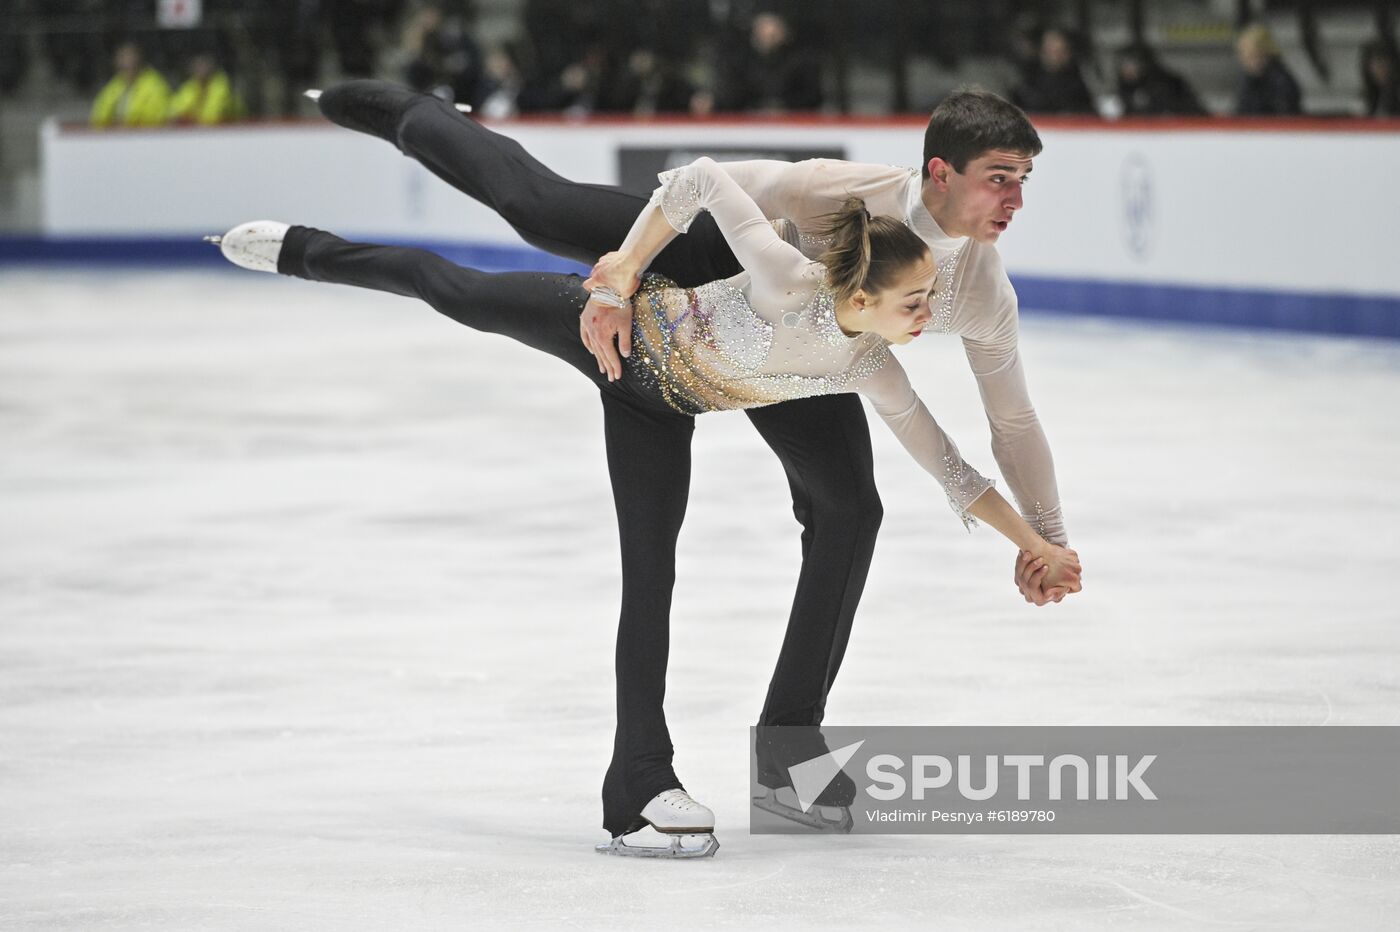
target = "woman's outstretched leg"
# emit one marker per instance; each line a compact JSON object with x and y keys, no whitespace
{"x":649,"y":464}
{"x":538,"y":309}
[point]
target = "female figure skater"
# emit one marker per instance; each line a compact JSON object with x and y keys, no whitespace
{"x":785,"y":328}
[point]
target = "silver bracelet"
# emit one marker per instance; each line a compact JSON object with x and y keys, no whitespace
{"x":609,"y":296}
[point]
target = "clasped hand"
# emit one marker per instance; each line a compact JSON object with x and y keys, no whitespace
{"x":606,"y":331}
{"x":1050,"y":576}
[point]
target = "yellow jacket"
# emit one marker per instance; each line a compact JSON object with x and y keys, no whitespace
{"x":211,"y":102}
{"x":142,"y":102}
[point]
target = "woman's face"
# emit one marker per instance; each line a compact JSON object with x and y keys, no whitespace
{"x":900,"y":312}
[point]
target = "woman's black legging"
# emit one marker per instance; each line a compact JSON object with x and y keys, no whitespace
{"x":648,"y":450}
{"x":823,"y":442}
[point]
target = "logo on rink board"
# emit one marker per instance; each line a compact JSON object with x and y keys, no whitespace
{"x":1138,"y":205}
{"x":179,"y":14}
{"x":1073,"y":780}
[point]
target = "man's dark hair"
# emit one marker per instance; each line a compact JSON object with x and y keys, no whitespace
{"x":971,"y":121}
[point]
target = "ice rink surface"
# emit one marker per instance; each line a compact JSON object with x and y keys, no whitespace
{"x":307,"y":599}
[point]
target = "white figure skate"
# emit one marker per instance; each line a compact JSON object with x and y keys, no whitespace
{"x":254,"y":245}
{"x":782,"y":801}
{"x":675,"y":814}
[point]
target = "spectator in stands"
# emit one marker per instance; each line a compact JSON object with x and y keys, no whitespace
{"x":136,"y":96}
{"x":770,"y":73}
{"x":556,"y":30}
{"x":1380,"y":80}
{"x":75,"y":54}
{"x":1057,"y":86}
{"x":648,"y":85}
{"x":1023,"y":47}
{"x":502,"y":83}
{"x":356,"y":28}
{"x":208,"y":96}
{"x":577,"y":90}
{"x":14,"y":61}
{"x":440,"y":52}
{"x":291,"y":31}
{"x":1146,"y":87}
{"x":1268,"y":88}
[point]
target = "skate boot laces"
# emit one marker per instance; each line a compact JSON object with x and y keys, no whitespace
{"x":679,"y":800}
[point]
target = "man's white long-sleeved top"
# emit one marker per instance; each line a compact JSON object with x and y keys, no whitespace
{"x":769,"y":334}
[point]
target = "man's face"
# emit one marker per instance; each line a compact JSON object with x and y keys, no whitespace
{"x":985,"y":195}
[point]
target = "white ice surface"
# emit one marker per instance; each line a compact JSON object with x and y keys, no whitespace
{"x":307,"y":598}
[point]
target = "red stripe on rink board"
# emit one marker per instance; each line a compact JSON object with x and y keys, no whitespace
{"x":818,"y":121}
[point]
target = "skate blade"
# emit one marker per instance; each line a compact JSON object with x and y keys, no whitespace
{"x":706,"y":849}
{"x":812,"y":818}
{"x":314,"y":93}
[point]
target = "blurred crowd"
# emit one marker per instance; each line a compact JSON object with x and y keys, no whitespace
{"x":1050,"y":65}
{"x":643,"y":57}
{"x":639,"y":57}
{"x":139,"y":95}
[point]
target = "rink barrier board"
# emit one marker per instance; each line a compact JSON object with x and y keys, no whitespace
{"x":1214,"y":205}
{"x":1339,"y":314}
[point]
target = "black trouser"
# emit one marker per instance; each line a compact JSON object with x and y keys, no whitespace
{"x":648,"y":448}
{"x":822,"y":442}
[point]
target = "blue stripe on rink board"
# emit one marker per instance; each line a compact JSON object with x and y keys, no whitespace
{"x":1343,"y":314}
{"x":192,"y":250}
